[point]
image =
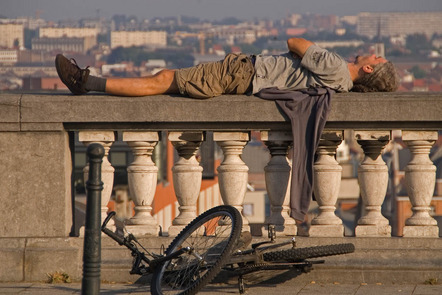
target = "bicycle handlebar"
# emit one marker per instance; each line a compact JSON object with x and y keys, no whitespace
{"x":108,"y":217}
{"x":110,"y":233}
{"x":114,"y":236}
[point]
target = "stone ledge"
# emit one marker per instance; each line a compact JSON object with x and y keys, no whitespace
{"x":377,"y":260}
{"x":237,"y":112}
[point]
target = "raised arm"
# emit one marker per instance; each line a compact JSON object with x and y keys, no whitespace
{"x":298,"y":46}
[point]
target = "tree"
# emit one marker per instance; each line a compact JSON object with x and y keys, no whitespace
{"x":417,"y":72}
{"x":103,"y":38}
{"x":417,"y":43}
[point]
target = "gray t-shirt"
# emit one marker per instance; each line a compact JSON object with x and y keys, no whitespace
{"x":317,"y":68}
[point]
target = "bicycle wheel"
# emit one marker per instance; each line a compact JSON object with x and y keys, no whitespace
{"x":300,"y":254}
{"x":211,"y":236}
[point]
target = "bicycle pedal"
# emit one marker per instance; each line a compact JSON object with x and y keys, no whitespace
{"x":241,"y":286}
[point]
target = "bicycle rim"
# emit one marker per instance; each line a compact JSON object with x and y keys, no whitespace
{"x":299,"y":254}
{"x":212,"y":245}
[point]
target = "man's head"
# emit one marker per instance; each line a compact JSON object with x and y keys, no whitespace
{"x":375,"y":74}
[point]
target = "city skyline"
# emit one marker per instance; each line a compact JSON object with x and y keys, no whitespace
{"x":55,"y":10}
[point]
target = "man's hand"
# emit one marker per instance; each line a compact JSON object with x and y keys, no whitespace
{"x":298,"y":46}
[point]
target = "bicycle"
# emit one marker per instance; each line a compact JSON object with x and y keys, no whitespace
{"x":210,"y":244}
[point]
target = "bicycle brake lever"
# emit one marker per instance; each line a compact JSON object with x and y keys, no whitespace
{"x":131,"y":237}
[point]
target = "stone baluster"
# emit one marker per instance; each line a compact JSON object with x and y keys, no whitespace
{"x":373,"y":182}
{"x":420,"y":180}
{"x":233,"y":172}
{"x":278,"y":178}
{"x":142,"y":179}
{"x":327,"y":182}
{"x":187,"y":177}
{"x":105,"y":138}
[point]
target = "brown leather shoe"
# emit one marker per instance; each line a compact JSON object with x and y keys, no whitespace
{"x":71,"y":74}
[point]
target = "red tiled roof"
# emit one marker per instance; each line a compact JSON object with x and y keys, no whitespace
{"x":419,"y":83}
{"x":435,"y":87}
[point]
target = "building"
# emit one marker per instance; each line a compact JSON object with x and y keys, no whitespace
{"x":43,"y":83}
{"x":294,"y":18}
{"x":349,"y":19}
{"x":8,"y":56}
{"x":28,"y":57}
{"x":67,"y":32}
{"x":116,"y":69}
{"x":29,"y":71}
{"x":138,"y":38}
{"x":28,"y":22}
{"x":66,"y":39}
{"x":11,"y":35}
{"x":345,"y":43}
{"x":65,"y":44}
{"x":239,"y":34}
{"x":386,"y":24}
{"x":316,"y":22}
{"x":99,"y":23}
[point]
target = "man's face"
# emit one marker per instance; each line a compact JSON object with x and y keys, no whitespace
{"x":372,"y":59}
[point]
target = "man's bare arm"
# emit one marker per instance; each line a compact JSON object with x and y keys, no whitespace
{"x":298,"y":46}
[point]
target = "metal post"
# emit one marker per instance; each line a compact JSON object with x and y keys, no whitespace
{"x":92,"y":237}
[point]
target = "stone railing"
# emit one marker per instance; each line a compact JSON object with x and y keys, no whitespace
{"x":36,"y":138}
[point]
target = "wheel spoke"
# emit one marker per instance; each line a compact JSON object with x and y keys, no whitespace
{"x":211,"y":237}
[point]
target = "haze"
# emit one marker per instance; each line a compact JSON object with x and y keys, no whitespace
{"x":204,"y":9}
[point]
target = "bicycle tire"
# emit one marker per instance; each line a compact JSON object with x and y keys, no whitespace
{"x":188,"y":275}
{"x":300,"y":254}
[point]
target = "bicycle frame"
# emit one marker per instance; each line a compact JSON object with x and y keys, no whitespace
{"x":139,"y":257}
{"x":254,"y":257}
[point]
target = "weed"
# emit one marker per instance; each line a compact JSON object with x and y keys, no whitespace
{"x":58,"y":277}
{"x":431,"y":281}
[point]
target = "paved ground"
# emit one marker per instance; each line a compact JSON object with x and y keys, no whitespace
{"x":281,"y":289}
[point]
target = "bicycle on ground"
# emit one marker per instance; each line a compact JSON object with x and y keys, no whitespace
{"x":211,"y":243}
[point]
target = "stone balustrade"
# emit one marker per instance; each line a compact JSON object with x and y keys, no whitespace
{"x":233,"y":177}
{"x":36,"y":139}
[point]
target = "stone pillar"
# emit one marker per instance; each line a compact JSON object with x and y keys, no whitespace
{"x":373,"y":182}
{"x":278,"y":179}
{"x":420,"y":180}
{"x":105,"y":138}
{"x":187,"y":176}
{"x":327,"y":181}
{"x":142,"y":179}
{"x":36,"y":196}
{"x":233,"y":172}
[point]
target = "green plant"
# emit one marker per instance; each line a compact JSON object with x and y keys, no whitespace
{"x":431,"y":281}
{"x":58,"y":277}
